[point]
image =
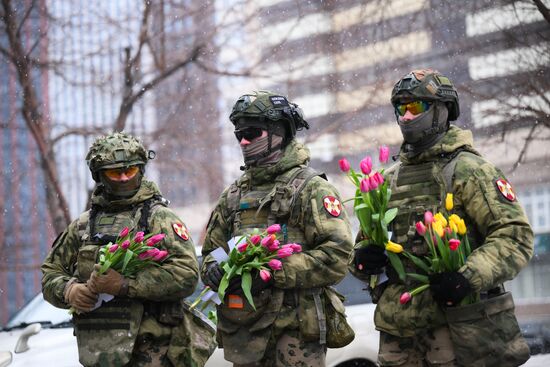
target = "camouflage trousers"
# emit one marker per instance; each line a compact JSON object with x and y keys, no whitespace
{"x":150,"y":352}
{"x":427,"y":349}
{"x":290,"y":351}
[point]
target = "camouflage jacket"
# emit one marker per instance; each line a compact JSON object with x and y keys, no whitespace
{"x":498,"y":229}
{"x":327,"y":237}
{"x":163,"y":285}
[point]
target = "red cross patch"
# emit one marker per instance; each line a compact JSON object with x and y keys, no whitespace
{"x":506,"y":189}
{"x":332,"y":206}
{"x":181,"y":231}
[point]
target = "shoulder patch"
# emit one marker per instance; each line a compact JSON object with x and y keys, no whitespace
{"x":181,"y":231}
{"x":332,"y":206}
{"x":505,"y":189}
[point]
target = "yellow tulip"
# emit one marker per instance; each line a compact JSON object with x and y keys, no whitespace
{"x":438,"y":228}
{"x":453,"y":226}
{"x":394,"y":247}
{"x":454,"y":218}
{"x":441,"y":219}
{"x":461,"y":227}
{"x":449,"y":202}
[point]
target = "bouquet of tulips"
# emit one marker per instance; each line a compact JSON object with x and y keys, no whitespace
{"x":371,"y":208}
{"x":131,"y":253}
{"x":259,"y":252}
{"x":445,"y":235}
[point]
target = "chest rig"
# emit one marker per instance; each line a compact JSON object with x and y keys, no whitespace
{"x":250,"y":208}
{"x":106,"y":335}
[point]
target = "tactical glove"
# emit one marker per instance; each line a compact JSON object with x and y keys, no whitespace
{"x":449,"y":288}
{"x":257,"y":286}
{"x":111,"y":282}
{"x":79,"y":296}
{"x":370,"y":259}
{"x":213,"y":276}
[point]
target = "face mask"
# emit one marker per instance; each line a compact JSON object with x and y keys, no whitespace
{"x":119,"y":189}
{"x":427,"y":128}
{"x":258,"y":151}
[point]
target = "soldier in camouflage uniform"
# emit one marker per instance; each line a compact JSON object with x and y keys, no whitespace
{"x":289,"y":327}
{"x":437,"y":158}
{"x":143,"y":325}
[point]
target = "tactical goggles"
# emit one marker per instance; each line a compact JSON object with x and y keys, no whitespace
{"x":416,"y":107}
{"x":116,"y":174}
{"x":248,"y":133}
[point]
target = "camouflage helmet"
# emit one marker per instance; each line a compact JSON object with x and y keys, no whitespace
{"x":427,"y":85}
{"x":264,"y":108}
{"x":116,"y":150}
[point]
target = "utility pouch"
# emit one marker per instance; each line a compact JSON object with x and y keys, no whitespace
{"x":339,"y":332}
{"x":487,"y":333}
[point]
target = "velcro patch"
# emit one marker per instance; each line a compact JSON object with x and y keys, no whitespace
{"x":505,"y":189}
{"x":181,"y":231}
{"x":332,"y":206}
{"x":278,"y":101}
{"x":235,"y":301}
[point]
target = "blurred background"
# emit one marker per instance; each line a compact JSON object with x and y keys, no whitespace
{"x":169,"y":71}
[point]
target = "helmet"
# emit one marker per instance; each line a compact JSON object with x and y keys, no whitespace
{"x":116,"y":150}
{"x":268,"y":110}
{"x":427,"y":85}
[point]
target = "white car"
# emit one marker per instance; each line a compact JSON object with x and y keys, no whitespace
{"x":42,"y":335}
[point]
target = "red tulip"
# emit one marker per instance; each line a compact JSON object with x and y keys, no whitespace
{"x":453,"y":244}
{"x":405,"y":297}
{"x":344,"y":165}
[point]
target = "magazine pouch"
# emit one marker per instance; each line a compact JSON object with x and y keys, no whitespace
{"x":487,"y":333}
{"x":106,"y":335}
{"x":193,"y":340}
{"x":339,"y":332}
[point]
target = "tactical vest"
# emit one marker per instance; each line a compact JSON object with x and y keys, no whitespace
{"x":249,"y":208}
{"x":106,"y":335}
{"x":415,"y":189}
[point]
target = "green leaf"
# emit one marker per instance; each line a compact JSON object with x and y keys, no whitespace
{"x":418,"y":262}
{"x":397,"y":264}
{"x":390,"y":215}
{"x":127,"y":257}
{"x":421,"y":278}
{"x":246,"y":285}
{"x":223,"y":286}
{"x":105,"y":266}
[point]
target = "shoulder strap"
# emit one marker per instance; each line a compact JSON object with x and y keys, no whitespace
{"x":148,"y":209}
{"x":448,"y":169}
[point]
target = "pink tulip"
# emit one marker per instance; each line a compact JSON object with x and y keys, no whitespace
{"x":405,"y":298}
{"x":453,"y":244}
{"x":379,"y":178}
{"x":265,"y":275}
{"x":373,"y":183}
{"x":144,"y":255}
{"x":124,"y":232}
{"x":268,"y":240}
{"x":275,"y":264}
{"x":448,"y":231}
{"x":284,"y":252}
{"x":366,"y":165}
{"x":384,"y":154}
{"x":155,"y":239}
{"x":113,"y":248}
{"x":274,"y":228}
{"x":161,"y":255}
{"x":242,"y":247}
{"x":125,"y":244}
{"x":364,"y":186}
{"x":420,"y":228}
{"x":344,"y":165}
{"x":255,"y":239}
{"x":295,"y":247}
{"x":273,"y":246}
{"x":139,"y":237}
{"x":428,"y":218}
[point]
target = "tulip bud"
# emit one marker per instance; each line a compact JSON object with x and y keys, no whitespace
{"x":379,"y":178}
{"x":139,"y":237}
{"x":265,"y":275}
{"x":275,"y":264}
{"x":453,"y":244}
{"x":242,"y":247}
{"x":438,"y":229}
{"x":366,"y":165}
{"x":384,"y":154}
{"x":255,"y":239}
{"x":124,"y":232}
{"x":344,"y":165}
{"x":284,"y":252}
{"x":273,"y":246}
{"x":405,"y":298}
{"x":428,"y":218}
{"x":155,"y":239}
{"x":268,"y":240}
{"x":274,"y":228}
{"x":373,"y":182}
{"x":296,"y":247}
{"x":161,"y":255}
{"x":113,"y":248}
{"x":364,"y":186}
{"x":125,"y":244}
{"x":394,"y":247}
{"x":420,"y":228}
{"x":449,"y":201}
{"x":461,"y":227}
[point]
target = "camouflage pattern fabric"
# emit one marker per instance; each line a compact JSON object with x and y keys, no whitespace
{"x":326,"y":242}
{"x":164,"y":286}
{"x":498,"y":229}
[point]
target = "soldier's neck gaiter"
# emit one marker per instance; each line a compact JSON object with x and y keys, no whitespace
{"x":426,"y":130}
{"x":122,"y":190}
{"x":259,"y":153}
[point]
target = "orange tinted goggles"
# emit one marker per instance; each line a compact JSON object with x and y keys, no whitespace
{"x":416,"y":107}
{"x":118,"y":173}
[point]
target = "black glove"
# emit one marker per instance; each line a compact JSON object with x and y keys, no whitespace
{"x":258,"y":284}
{"x":213,"y":276}
{"x":449,"y":288}
{"x":370,"y":259}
